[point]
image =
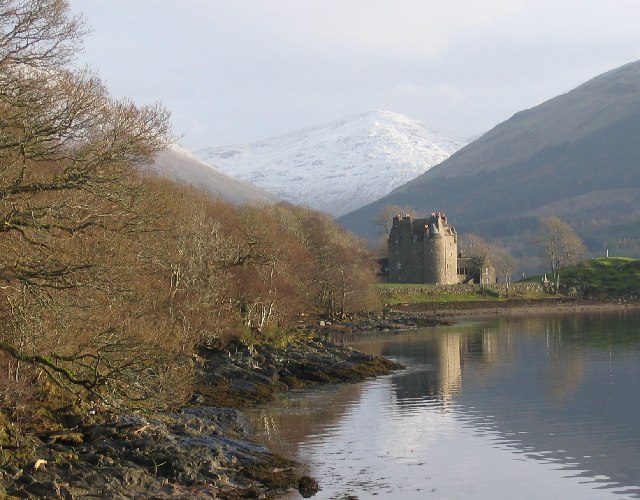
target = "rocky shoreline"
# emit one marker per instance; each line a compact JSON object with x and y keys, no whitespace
{"x":205,"y":450}
{"x":240,"y":375}
{"x":200,"y":451}
{"x":195,"y":453}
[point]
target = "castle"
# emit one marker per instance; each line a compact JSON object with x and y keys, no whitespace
{"x":426,"y":251}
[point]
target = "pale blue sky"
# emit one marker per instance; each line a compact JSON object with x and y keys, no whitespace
{"x":236,"y":71}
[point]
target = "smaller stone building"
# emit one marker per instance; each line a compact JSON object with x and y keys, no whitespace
{"x":426,"y":251}
{"x":475,"y":270}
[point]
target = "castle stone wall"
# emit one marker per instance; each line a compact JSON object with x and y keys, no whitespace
{"x":423,"y":250}
{"x":403,"y":261}
{"x":462,"y":290}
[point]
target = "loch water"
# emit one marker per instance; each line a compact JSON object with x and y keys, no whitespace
{"x":537,"y":407}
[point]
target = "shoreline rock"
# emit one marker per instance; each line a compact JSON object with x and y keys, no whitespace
{"x":201,"y":451}
{"x":196,"y":453}
{"x":239,"y":375}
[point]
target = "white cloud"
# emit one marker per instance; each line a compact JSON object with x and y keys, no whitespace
{"x":415,"y":28}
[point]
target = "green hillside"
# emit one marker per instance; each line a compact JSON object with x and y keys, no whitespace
{"x":604,"y":277}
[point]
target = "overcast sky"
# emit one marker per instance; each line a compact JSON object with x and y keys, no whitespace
{"x":237,"y":71}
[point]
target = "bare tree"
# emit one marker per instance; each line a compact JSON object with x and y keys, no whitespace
{"x":344,"y":270}
{"x":68,"y":190}
{"x":561,"y":246}
{"x":38,"y":33}
{"x":501,"y":259}
{"x":384,"y":218}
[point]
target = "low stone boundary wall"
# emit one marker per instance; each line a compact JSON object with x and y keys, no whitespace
{"x":461,"y":290}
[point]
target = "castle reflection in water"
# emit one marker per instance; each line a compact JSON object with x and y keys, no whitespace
{"x":484,"y":349}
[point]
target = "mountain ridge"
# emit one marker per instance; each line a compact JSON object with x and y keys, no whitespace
{"x":340,"y":165}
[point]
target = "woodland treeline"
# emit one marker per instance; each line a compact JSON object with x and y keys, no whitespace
{"x":112,"y":279}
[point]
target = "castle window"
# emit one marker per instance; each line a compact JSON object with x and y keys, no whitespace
{"x":398,"y":265}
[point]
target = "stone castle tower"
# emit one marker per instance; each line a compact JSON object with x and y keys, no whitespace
{"x":423,"y":251}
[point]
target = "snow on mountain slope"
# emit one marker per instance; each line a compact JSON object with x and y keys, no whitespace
{"x":183,"y":167}
{"x":339,"y":166}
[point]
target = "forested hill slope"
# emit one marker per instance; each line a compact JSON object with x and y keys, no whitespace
{"x":576,"y":156}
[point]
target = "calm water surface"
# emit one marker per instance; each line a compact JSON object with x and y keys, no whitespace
{"x":544,"y":407}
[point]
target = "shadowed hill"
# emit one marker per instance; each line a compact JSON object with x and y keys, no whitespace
{"x":576,"y":156}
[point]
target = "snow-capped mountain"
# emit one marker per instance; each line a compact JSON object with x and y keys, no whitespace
{"x":339,"y":166}
{"x":183,"y":167}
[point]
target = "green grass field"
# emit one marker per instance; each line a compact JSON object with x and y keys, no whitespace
{"x":592,"y":278}
{"x":603,"y":277}
{"x":391,"y":293}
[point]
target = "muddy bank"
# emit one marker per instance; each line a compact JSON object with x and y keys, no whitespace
{"x":392,"y":318}
{"x":201,"y":451}
{"x":433,"y":314}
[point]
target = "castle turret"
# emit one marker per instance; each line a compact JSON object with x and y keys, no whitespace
{"x":423,"y":250}
{"x":401,"y":268}
{"x":441,"y":251}
{"x":435,"y":257}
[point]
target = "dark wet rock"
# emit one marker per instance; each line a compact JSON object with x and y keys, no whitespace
{"x":46,"y":489}
{"x":308,"y":487}
{"x":13,"y":471}
{"x":26,"y":479}
{"x":239,"y":375}
{"x":194,"y":453}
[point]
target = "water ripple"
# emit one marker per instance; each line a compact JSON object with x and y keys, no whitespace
{"x":525,"y":408}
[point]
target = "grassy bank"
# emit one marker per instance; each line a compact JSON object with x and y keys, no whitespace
{"x":603,"y":277}
{"x":401,"y":293}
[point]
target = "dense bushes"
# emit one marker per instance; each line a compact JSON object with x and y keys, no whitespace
{"x":221,"y":267}
{"x":110,"y":280}
{"x":184,"y":272}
